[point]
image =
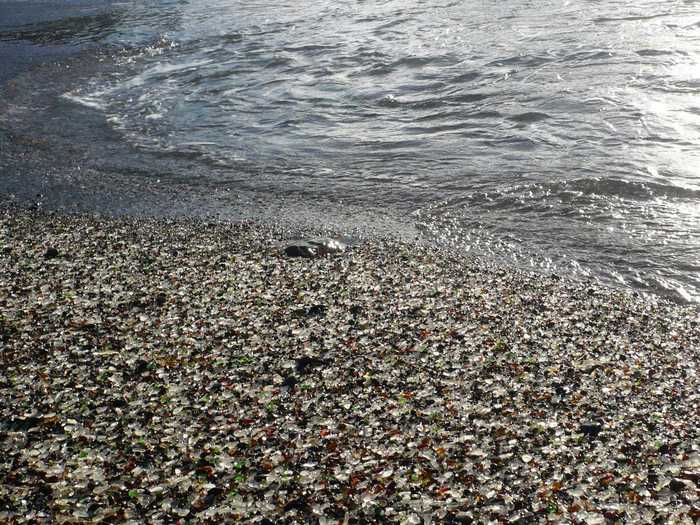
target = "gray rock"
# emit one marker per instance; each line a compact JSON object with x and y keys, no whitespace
{"x":314,"y":248}
{"x":302,"y":249}
{"x":329,"y":245}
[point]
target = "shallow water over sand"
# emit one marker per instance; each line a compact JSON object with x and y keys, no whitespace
{"x":562,"y":134}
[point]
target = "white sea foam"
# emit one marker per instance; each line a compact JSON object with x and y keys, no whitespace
{"x":92,"y":100}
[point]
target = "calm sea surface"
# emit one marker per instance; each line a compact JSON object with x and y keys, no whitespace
{"x":562,"y":134}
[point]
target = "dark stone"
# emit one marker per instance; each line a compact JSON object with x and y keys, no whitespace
{"x":298,"y":504}
{"x":51,"y":253}
{"x":591,"y":428}
{"x":477,"y":394}
{"x":208,"y":500}
{"x":631,"y":449}
{"x":665,"y":449}
{"x":301,"y":250}
{"x":677,"y":485}
{"x":317,"y":310}
{"x":146,"y":416}
{"x":560,"y":389}
{"x":22,"y":424}
{"x":290,"y":381}
{"x":305,"y":363}
{"x":314,"y":248}
{"x":652,"y":478}
{"x":140,"y":366}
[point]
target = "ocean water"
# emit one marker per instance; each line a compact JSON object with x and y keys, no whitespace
{"x":563,"y":135}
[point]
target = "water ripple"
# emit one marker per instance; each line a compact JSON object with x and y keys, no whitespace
{"x":562,"y":127}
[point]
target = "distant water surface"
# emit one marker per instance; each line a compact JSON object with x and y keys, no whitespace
{"x":563,"y":134}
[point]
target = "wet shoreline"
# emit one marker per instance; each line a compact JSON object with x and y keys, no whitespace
{"x":72,"y":136}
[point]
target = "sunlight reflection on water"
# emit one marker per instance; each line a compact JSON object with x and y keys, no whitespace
{"x":579,"y":121}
